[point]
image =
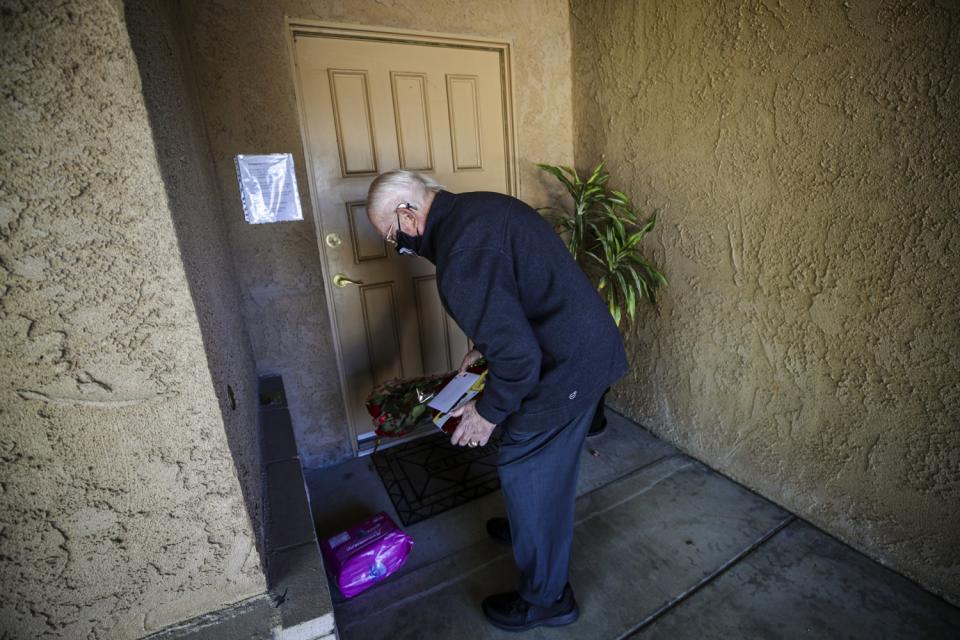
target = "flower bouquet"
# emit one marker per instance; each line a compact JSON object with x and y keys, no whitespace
{"x":397,"y":407}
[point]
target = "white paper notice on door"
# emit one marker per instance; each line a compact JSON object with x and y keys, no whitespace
{"x":268,"y":188}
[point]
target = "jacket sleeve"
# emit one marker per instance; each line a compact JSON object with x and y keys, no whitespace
{"x":480,"y":291}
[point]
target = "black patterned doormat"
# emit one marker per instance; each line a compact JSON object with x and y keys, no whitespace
{"x":428,"y":476}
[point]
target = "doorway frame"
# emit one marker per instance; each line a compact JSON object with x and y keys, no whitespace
{"x":323,"y":29}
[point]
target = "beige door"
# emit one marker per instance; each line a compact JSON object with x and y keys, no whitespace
{"x":371,"y":106}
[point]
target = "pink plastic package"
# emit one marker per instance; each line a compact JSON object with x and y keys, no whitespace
{"x":366,"y":553}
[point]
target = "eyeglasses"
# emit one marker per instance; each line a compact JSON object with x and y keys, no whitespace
{"x":388,"y":238}
{"x":392,"y":239}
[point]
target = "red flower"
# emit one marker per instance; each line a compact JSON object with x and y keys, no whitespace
{"x":374,"y":409}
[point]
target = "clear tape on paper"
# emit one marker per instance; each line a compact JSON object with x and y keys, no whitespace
{"x":268,"y":188}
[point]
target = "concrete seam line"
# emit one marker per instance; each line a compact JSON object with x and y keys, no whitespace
{"x":631,"y":633}
{"x":287,"y":459}
{"x":294,"y":545}
{"x":210,"y":619}
{"x":639,"y":492}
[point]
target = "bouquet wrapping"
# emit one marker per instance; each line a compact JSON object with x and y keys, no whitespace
{"x":397,"y":407}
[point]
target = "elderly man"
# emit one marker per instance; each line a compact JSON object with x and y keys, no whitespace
{"x":552,"y":348}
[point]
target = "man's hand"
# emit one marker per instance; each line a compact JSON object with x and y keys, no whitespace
{"x":473,"y":430}
{"x":472,"y":356}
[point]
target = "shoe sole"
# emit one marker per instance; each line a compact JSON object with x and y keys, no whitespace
{"x":556,"y":621}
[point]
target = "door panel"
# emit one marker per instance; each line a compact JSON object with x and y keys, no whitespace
{"x":463,"y":104}
{"x":367,"y":243}
{"x":371,"y":106}
{"x":434,"y":342}
{"x":381,"y":322}
{"x":412,"y":120}
{"x":351,"y":111}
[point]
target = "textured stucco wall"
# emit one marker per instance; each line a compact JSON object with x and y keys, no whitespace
{"x":183,"y":156}
{"x":120,"y":506}
{"x":806,"y":159}
{"x":243,"y":65}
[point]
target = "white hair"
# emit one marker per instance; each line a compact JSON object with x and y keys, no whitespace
{"x":393,"y":188}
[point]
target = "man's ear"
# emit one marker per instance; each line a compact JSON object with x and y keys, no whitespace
{"x":410,"y":216}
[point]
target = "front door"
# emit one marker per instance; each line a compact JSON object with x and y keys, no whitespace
{"x":370,"y":106}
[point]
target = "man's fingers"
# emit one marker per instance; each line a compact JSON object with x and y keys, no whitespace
{"x":460,"y":410}
{"x":472,"y":356}
{"x":463,"y":435}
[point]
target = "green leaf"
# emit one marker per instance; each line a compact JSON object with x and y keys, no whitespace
{"x":618,"y":224}
{"x":557,"y":172}
{"x":639,"y":283}
{"x":656,"y":275}
{"x":591,"y":254}
{"x":597,"y":171}
{"x":614,"y":309}
{"x":572,"y":173}
{"x":623,"y":283}
{"x":636,"y":238}
{"x":647,"y":227}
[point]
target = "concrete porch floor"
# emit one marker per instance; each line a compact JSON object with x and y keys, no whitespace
{"x":664,"y":548}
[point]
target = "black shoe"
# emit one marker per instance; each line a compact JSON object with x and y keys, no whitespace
{"x":598,"y":426}
{"x":499,"y":530}
{"x":510,"y":612}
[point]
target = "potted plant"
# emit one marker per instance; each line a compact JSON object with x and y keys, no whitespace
{"x":604,"y":232}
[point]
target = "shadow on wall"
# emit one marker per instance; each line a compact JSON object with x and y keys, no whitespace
{"x":183,"y":157}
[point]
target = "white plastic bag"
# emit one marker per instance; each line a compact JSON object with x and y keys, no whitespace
{"x":268,"y":188}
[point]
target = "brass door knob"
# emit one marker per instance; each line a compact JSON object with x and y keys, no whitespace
{"x":340,"y":281}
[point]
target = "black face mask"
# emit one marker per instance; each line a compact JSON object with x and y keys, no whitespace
{"x":407,"y":245}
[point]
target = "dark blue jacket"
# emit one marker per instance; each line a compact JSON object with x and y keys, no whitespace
{"x":505,"y":276}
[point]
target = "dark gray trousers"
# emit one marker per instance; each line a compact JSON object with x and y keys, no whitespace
{"x":538,"y":476}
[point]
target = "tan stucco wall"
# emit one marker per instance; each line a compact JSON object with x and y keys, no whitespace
{"x":121,"y":506}
{"x":243,"y":65}
{"x":807,"y":160}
